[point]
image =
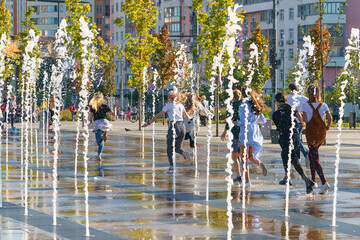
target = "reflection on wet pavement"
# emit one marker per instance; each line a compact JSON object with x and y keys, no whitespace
{"x":130,"y":199}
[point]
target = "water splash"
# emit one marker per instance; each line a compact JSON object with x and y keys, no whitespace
{"x":352,"y":48}
{"x":9,"y":92}
{"x":30,"y":62}
{"x":143,"y":111}
{"x":233,"y":28}
{"x":254,"y":54}
{"x":4,"y":42}
{"x":56,"y":79}
{"x":156,"y":76}
{"x":88,"y":56}
{"x":44,"y":110}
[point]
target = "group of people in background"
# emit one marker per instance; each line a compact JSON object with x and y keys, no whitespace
{"x":186,"y":111}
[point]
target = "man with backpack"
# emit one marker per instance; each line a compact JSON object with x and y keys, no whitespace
{"x":73,"y":111}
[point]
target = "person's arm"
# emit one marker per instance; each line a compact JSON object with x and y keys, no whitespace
{"x":262,"y":119}
{"x":159,"y":115}
{"x":304,"y":116}
{"x":188,"y":116}
{"x":91,"y":117}
{"x":300,"y":118}
{"x":223,"y":135}
{"x":329,"y":119}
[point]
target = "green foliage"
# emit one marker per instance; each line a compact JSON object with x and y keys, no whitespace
{"x":140,"y":47}
{"x":261,"y":68}
{"x":106,"y":65}
{"x":163,"y":59}
{"x":77,"y":10}
{"x":213,"y":31}
{"x":5,"y":16}
{"x":314,"y":66}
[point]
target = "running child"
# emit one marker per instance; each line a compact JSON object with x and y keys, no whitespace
{"x":314,"y":114}
{"x":282,"y":120}
{"x":176,"y":113}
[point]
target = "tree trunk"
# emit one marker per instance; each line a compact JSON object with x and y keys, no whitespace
{"x":140,"y":108}
{"x":162,"y":92}
{"x":217,"y":107}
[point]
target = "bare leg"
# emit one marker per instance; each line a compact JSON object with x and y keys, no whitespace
{"x":242,"y":150}
{"x":235,"y":157}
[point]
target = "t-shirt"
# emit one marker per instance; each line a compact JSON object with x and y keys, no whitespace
{"x":174,"y":111}
{"x":309,"y":112}
{"x":302,"y":99}
{"x":235,"y":129}
{"x":101,"y":113}
{"x":282,"y":119}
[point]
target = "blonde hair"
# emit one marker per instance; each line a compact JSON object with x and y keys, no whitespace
{"x":97,"y":100}
{"x":237,"y":95}
{"x":179,"y":97}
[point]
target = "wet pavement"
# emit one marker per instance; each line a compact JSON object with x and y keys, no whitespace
{"x":131,"y":195}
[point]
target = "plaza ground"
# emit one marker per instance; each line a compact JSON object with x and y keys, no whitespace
{"x":131,"y":196}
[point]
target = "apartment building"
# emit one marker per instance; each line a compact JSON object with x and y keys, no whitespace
{"x":298,"y":16}
{"x":17,"y":9}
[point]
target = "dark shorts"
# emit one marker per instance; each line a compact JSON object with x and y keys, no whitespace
{"x":235,"y":145}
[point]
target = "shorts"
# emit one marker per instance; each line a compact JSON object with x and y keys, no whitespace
{"x":235,"y":145}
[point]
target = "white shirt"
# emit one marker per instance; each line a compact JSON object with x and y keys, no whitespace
{"x":309,"y":112}
{"x":174,"y":111}
{"x":302,"y":99}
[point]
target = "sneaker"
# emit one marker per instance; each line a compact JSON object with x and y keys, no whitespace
{"x":170,"y":171}
{"x":263,"y":169}
{"x":307,"y":161}
{"x":187,"y":157}
{"x":247,"y":185}
{"x":237,"y":179}
{"x":283,"y":181}
{"x":324,"y":188}
{"x":316,"y":185}
{"x":309,"y":185}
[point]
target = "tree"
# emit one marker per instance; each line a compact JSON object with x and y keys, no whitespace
{"x":351,"y":71}
{"x":106,"y":66}
{"x":5,"y":17}
{"x":140,"y":47}
{"x":77,"y":12}
{"x":321,"y":52}
{"x":6,"y":58}
{"x":163,"y":61}
{"x":260,"y":67}
{"x":210,"y":40}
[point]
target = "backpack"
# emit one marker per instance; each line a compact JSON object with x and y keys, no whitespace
{"x":71,"y":108}
{"x":3,"y":107}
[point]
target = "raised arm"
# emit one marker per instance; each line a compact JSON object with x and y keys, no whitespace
{"x":159,"y":115}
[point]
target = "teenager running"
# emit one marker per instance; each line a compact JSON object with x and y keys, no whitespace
{"x":282,"y":120}
{"x":251,"y":110}
{"x":235,"y":154}
{"x":314,"y":114}
{"x":98,"y":110}
{"x":194,"y":106}
{"x":291,"y":101}
{"x":176,"y":113}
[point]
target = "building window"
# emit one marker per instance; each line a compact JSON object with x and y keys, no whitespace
{"x":184,"y":28}
{"x":98,"y":21}
{"x":291,"y":54}
{"x":117,"y":7}
{"x":281,"y":15}
{"x":184,"y":12}
{"x":112,"y":8}
{"x":282,"y":74}
{"x":291,"y":34}
{"x":253,"y":21}
{"x":98,"y":9}
{"x":159,"y":16}
{"x":174,"y":27}
{"x":281,"y":34}
{"x":291,"y":13}
{"x":172,"y":14}
{"x":282,"y":54}
{"x":117,"y":36}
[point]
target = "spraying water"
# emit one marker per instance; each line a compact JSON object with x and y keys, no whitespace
{"x":352,"y":48}
{"x":233,"y":28}
{"x":56,"y":79}
{"x":253,"y":57}
{"x":9,"y":88}
{"x":156,"y":76}
{"x":299,"y":78}
{"x":30,"y":62}
{"x":4,"y":42}
{"x":86,"y":61}
{"x":45,"y":111}
{"x":143,"y":111}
